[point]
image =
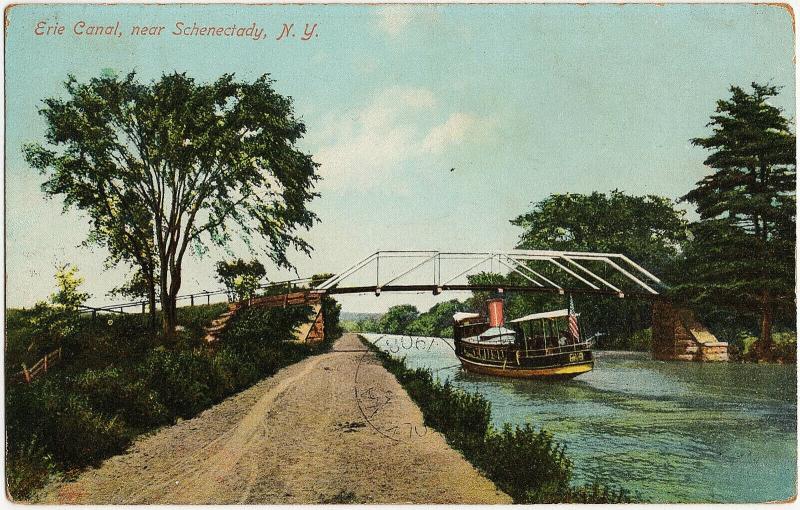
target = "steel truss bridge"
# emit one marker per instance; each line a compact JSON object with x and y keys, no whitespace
{"x":557,"y":272}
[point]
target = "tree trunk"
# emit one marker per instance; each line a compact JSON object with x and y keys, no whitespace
{"x":167,"y":322}
{"x":150,"y":280}
{"x":151,"y":298}
{"x":169,"y":304}
{"x":765,"y":338}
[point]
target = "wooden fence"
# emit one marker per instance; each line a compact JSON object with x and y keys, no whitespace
{"x":40,"y":367}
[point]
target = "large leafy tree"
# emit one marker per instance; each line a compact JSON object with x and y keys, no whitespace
{"x":742,"y":254}
{"x":189,"y":163}
{"x":648,"y":229}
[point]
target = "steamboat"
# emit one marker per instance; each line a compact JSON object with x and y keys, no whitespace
{"x":547,"y":345}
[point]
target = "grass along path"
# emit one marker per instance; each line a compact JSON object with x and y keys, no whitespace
{"x":333,"y":428}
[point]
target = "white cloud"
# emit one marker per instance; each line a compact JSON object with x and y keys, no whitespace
{"x":373,"y":140}
{"x":371,"y":144}
{"x":393,"y":20}
{"x":455,"y":130}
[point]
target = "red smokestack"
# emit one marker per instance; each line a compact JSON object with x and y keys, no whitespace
{"x":495,"y":313}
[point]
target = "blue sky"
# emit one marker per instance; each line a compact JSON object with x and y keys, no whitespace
{"x":522,"y":100}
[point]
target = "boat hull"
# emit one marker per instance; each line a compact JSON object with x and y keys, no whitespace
{"x":559,"y":372}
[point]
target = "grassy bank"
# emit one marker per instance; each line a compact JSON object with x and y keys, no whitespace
{"x":527,"y":464}
{"x":118,"y":380}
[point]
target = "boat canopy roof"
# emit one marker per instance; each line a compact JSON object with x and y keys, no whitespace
{"x":460,"y":316}
{"x":497,"y":331}
{"x":544,"y":315}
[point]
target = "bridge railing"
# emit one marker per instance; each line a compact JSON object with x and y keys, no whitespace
{"x":551,"y":271}
{"x":203,"y":297}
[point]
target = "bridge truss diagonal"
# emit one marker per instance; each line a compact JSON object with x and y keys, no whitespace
{"x":559,"y":272}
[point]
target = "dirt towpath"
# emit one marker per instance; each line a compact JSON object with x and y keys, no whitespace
{"x":334,"y":428}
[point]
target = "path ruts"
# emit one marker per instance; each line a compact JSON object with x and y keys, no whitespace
{"x":313,"y":433}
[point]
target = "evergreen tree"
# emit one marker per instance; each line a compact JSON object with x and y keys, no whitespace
{"x":742,"y":254}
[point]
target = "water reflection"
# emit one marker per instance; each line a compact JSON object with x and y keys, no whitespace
{"x":670,"y":431}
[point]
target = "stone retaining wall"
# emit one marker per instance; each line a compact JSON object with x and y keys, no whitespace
{"x":678,"y":336}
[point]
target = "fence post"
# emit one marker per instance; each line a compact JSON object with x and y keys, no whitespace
{"x":191,"y":298}
{"x":209,"y":298}
{"x":25,"y":374}
{"x":94,"y":315}
{"x":143,"y":312}
{"x":45,"y":362}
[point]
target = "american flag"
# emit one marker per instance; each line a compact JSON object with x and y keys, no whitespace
{"x":573,"y":322}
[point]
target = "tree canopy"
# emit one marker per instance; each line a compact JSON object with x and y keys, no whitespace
{"x":240,"y":278}
{"x":742,"y":253}
{"x":398,"y":318}
{"x":174,"y":164}
{"x":647,"y":228}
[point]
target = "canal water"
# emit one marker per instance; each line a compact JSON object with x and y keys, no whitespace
{"x":667,"y":431}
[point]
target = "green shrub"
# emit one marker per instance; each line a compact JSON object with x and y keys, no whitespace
{"x":81,"y":435}
{"x":465,"y":416}
{"x":28,"y":467}
{"x":784,"y":346}
{"x":233,"y":371}
{"x":528,"y":465}
{"x":117,"y":381}
{"x":255,"y":327}
{"x":263,"y":337}
{"x":597,"y":493}
{"x":333,"y":329}
{"x":641,"y":340}
{"x":194,"y":319}
{"x":108,"y":340}
{"x":112,"y":392}
{"x":181,"y":380}
{"x":64,"y":423}
{"x":351,"y":326}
